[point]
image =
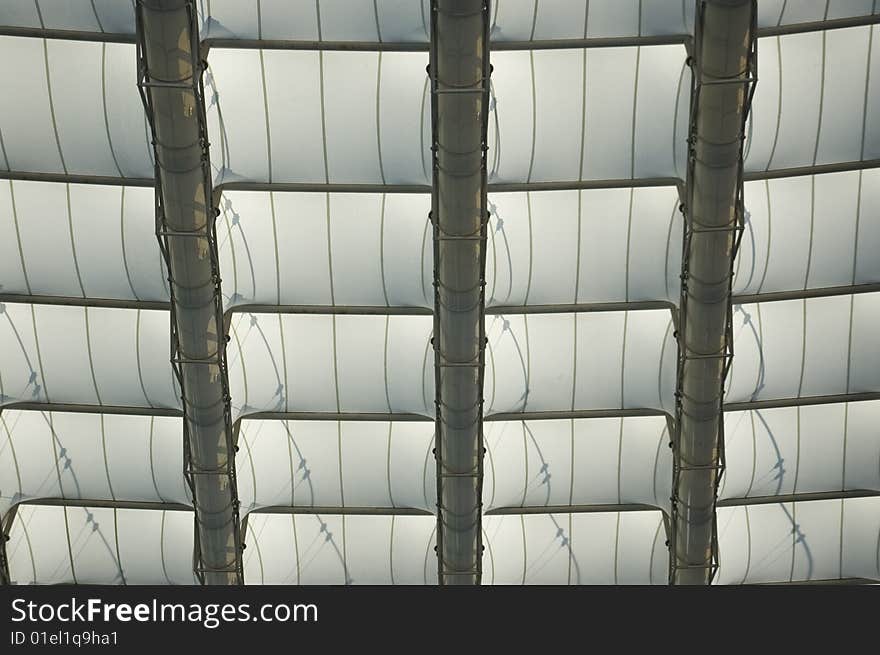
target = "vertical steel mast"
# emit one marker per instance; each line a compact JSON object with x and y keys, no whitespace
{"x":724,"y":62}
{"x":459,"y":71}
{"x":170,"y":81}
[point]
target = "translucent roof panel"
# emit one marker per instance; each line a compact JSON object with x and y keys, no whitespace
{"x":540,"y":100}
{"x":781,"y":12}
{"x":603,"y":360}
{"x":85,"y":15}
{"x":596,"y":245}
{"x":545,"y":247}
{"x":818,"y":100}
{"x":89,"y":355}
{"x":810,"y":232}
{"x":326,"y":249}
{"x":79,"y":545}
{"x":812,"y":347}
{"x":596,"y":461}
{"x":591,"y":548}
{"x":386,"y":145}
{"x":294,"y":362}
{"x":80,"y":240}
{"x":604,"y":113}
{"x":813,"y":540}
{"x":336,"y":464}
{"x":90,"y":457}
{"x":340,"y":550}
{"x":789,"y":450}
{"x":408,"y":20}
{"x":76,"y":108}
{"x":394,"y":21}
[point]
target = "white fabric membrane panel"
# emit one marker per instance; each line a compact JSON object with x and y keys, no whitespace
{"x":409,"y":20}
{"x":115,"y":16}
{"x":80,"y":545}
{"x":81,"y":240}
{"x":789,"y":450}
{"x":596,"y":245}
{"x":406,"y":20}
{"x":578,"y":549}
{"x":818,"y":100}
{"x":810,"y":232}
{"x":595,"y":461}
{"x":807,"y":540}
{"x":330,"y":363}
{"x":336,"y":464}
{"x":588,"y":114}
{"x":600,"y":360}
{"x":340,"y":549}
{"x":90,"y":457}
{"x":782,"y":12}
{"x":329,"y":249}
{"x":304,"y":132}
{"x":76,"y":108}
{"x":89,"y":355}
{"x":812,"y":347}
{"x":540,"y":100}
{"x":546,"y":247}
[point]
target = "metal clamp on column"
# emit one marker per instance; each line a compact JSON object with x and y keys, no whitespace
{"x":459,"y":73}
{"x":170,"y":83}
{"x":724,"y":66}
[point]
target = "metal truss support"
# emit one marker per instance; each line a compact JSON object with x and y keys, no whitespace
{"x":459,"y":72}
{"x":723,"y":80}
{"x":170,"y":82}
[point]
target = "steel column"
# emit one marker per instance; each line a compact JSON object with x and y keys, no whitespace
{"x":722,"y":85}
{"x":170,"y":81}
{"x":459,"y":71}
{"x":5,"y":530}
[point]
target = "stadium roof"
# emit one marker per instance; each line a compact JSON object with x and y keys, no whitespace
{"x":255,"y":398}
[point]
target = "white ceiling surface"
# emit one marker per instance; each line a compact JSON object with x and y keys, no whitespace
{"x":90,"y":457}
{"x":322,"y":363}
{"x":390,"y":464}
{"x":407,"y":20}
{"x":115,"y":16}
{"x":76,"y":108}
{"x":818,"y":101}
{"x":88,"y":355}
{"x":557,"y":115}
{"x":375,"y":249}
{"x":590,"y":548}
{"x":79,"y":545}
{"x":538,"y":105}
{"x":601,"y":360}
{"x":810,"y":232}
{"x":808,"y":540}
{"x":80,"y":240}
{"x":543,"y":245}
{"x":789,"y":450}
{"x":404,"y":20}
{"x":293,"y":362}
{"x":606,"y":548}
{"x":337,"y":549}
{"x":800,"y":348}
{"x":595,"y":461}
{"x":336,"y":464}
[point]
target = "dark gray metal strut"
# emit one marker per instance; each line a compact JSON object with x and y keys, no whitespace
{"x":459,"y":72}
{"x":723,"y":82}
{"x":170,"y":82}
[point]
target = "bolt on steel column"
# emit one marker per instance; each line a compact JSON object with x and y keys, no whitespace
{"x":723,"y":62}
{"x":459,"y":71}
{"x":170,"y":73}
